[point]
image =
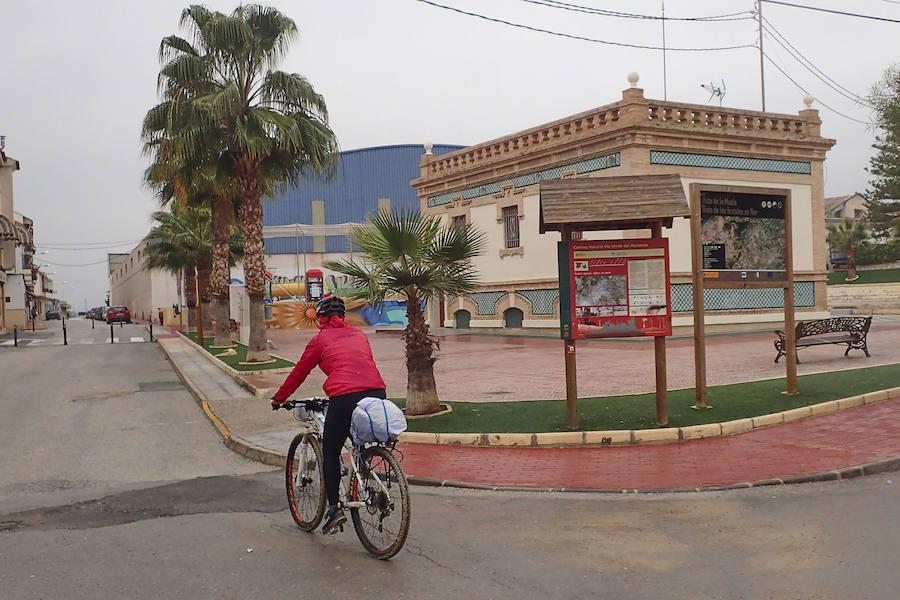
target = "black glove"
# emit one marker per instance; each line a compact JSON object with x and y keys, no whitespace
{"x":276,"y":403}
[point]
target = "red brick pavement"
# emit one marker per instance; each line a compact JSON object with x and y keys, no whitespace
{"x":814,"y":445}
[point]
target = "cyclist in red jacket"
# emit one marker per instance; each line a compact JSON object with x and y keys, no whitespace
{"x":344,"y":355}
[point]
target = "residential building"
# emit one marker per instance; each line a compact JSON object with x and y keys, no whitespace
{"x":12,"y":236}
{"x":838,"y":208}
{"x":495,"y":187}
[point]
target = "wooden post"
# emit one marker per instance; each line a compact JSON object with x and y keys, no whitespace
{"x":571,"y":370}
{"x":571,"y":385}
{"x":790,"y":333}
{"x":659,"y":351}
{"x":199,"y":312}
{"x":697,"y":280}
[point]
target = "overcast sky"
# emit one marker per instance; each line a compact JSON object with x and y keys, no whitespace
{"x":78,"y":77}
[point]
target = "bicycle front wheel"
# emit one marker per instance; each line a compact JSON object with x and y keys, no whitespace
{"x":305,"y":481}
{"x":383,"y":523}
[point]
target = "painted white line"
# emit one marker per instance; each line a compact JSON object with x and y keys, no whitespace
{"x":137,"y":339}
{"x":115,"y":340}
{"x":7,"y":343}
{"x":37,"y":341}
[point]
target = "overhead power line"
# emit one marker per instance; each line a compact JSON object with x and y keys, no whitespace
{"x":625,"y":15}
{"x":56,"y":264}
{"x":579,"y":37}
{"x":792,"y":80}
{"x":834,"y":12}
{"x":778,"y":37}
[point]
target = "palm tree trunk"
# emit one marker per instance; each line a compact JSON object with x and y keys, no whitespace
{"x":190,"y":296}
{"x":851,"y":265}
{"x":203,"y":284}
{"x":250,"y":213}
{"x":421,"y":390}
{"x":222,"y":216}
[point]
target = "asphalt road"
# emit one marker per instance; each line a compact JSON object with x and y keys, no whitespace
{"x":113,"y":484}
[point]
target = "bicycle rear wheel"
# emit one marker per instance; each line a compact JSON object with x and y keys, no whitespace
{"x":383,"y":524}
{"x":305,"y":481}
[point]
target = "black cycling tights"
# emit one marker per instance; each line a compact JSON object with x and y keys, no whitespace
{"x":337,"y":429}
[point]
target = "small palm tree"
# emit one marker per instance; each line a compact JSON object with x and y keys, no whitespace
{"x":419,"y":259}
{"x":182,"y":240}
{"x":848,"y":237}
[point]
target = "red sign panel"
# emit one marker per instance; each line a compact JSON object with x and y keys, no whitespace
{"x":620,"y":288}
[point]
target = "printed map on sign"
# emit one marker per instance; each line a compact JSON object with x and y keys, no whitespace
{"x":620,"y":288}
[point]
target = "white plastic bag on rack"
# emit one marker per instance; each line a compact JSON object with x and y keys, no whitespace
{"x":376,"y":420}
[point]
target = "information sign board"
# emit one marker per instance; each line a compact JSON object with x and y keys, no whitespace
{"x":617,"y":288}
{"x":743,"y":236}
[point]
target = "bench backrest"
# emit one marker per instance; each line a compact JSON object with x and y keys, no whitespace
{"x":858,"y":325}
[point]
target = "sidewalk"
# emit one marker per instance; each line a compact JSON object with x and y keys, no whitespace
{"x":853,"y":442}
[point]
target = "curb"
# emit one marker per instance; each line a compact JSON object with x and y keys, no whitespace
{"x":234,"y":373}
{"x":665,"y":435}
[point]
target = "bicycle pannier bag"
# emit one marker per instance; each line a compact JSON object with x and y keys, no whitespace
{"x":376,"y":420}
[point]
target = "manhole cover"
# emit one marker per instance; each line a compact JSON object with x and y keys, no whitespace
{"x":160,"y":386}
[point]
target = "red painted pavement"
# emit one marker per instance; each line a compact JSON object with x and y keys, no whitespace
{"x":813,"y":445}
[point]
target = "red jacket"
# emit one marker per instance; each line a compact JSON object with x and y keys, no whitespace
{"x":344,"y":355}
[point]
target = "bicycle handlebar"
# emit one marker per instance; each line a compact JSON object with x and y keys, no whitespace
{"x":313,"y":404}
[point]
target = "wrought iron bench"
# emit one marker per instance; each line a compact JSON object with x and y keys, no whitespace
{"x":848,"y":330}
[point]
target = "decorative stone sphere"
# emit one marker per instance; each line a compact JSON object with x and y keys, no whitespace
{"x":808,"y":100}
{"x":633,"y":78}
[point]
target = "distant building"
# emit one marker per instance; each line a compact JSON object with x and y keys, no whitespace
{"x":143,"y":291}
{"x":15,"y":239}
{"x":366,"y":180}
{"x":838,"y":208}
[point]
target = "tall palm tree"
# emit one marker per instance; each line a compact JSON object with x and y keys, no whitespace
{"x":272,"y":124}
{"x":417,"y":257}
{"x":848,"y":237}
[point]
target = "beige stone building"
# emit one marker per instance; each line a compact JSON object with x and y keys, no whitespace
{"x":142,"y":290}
{"x":838,"y":208}
{"x":494,"y":186}
{"x":14,"y":239}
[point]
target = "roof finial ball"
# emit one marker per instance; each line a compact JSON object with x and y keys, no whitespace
{"x":428,"y":147}
{"x":633,"y":78}
{"x":808,"y":100}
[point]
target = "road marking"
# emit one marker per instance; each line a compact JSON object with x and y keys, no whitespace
{"x":38,"y":341}
{"x":115,"y":340}
{"x":137,"y":339}
{"x":7,"y":343}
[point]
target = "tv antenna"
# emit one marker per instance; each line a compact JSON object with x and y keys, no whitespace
{"x":714,"y":91}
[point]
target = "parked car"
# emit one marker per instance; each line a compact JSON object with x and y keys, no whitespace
{"x":51,"y":314}
{"x":118,"y":313}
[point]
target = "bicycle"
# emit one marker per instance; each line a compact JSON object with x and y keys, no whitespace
{"x":373,"y":485}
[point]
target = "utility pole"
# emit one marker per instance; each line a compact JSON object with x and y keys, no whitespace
{"x":762,"y":73}
{"x":665,"y":95}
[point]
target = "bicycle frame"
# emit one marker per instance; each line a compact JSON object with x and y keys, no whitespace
{"x":316,"y":426}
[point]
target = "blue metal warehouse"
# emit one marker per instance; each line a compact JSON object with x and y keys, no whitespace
{"x":364,"y":181}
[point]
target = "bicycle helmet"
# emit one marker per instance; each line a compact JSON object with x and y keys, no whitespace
{"x":330,"y":306}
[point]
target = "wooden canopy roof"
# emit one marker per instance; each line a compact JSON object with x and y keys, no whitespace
{"x":596,"y":203}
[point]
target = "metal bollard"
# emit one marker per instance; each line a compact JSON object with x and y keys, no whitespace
{"x":121,"y":324}
{"x":111,"y":338}
{"x":65,"y":338}
{"x":32,"y":324}
{"x":93,"y":322}
{"x":151,"y":330}
{"x":16,"y":336}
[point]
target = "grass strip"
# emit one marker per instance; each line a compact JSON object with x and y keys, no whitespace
{"x":729,"y":402}
{"x":873,"y":276}
{"x":240,"y":355}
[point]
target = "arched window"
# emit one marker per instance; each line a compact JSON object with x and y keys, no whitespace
{"x":512,"y":318}
{"x":462,"y":319}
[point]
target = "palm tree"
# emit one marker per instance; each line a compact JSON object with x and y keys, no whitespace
{"x":183,"y":240}
{"x":273,"y":125}
{"x":848,"y":237}
{"x":420,"y":259}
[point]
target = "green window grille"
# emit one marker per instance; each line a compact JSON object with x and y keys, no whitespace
{"x":738,"y":163}
{"x":541,"y":300}
{"x":486,"y":301}
{"x":745,"y":299}
{"x":585,"y":166}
